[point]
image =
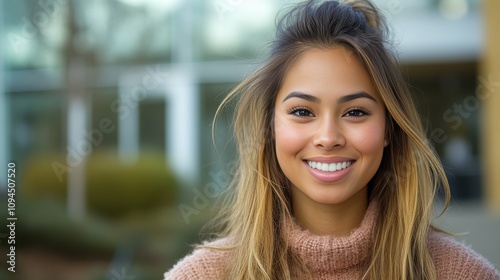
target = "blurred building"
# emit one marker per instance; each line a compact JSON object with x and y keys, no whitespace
{"x":128,"y":76}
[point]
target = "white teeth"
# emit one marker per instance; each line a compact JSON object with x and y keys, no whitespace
{"x":329,"y":167}
{"x":332,"y":167}
{"x":324,"y":167}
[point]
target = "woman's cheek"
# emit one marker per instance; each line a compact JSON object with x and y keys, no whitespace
{"x":367,"y":138}
{"x":290,"y":138}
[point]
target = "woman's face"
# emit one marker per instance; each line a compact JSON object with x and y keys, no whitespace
{"x":329,"y":127}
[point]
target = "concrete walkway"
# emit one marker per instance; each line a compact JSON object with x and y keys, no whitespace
{"x":482,"y":228}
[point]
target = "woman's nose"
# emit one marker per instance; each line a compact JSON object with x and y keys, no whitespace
{"x":329,"y":135}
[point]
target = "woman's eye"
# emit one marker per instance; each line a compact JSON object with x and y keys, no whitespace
{"x":356,"y":113}
{"x":301,"y":112}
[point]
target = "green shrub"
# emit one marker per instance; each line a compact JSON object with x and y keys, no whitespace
{"x":37,"y":178}
{"x":113,"y":188}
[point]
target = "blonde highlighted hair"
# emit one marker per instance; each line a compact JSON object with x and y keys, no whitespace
{"x":405,"y":184}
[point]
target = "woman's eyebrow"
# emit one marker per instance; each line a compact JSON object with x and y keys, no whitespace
{"x":349,"y":97}
{"x":343,"y":99}
{"x":302,"y":95}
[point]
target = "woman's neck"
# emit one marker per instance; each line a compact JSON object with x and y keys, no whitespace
{"x":325,"y":219}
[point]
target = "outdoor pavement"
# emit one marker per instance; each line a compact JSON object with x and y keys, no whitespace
{"x":482,"y":228}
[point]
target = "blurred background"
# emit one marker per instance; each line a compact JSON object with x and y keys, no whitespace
{"x":106,"y":109}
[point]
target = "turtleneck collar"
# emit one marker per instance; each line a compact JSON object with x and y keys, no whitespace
{"x":326,"y":253}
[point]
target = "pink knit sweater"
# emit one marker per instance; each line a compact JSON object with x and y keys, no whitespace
{"x":329,"y":257}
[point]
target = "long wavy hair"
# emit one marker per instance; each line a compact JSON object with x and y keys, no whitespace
{"x":405,"y":184}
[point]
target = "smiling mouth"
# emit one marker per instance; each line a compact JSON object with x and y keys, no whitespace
{"x":329,"y":167}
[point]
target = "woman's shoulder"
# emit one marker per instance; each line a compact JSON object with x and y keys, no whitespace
{"x":203,"y":263}
{"x":455,"y":260}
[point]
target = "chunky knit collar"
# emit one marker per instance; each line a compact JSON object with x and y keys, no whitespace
{"x":326,"y":254}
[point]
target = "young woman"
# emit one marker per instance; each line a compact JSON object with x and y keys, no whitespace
{"x":336,"y":179}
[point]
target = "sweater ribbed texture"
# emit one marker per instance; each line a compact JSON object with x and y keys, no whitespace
{"x":346,"y":257}
{"x":329,"y":257}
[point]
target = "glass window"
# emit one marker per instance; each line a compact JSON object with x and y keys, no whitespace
{"x":235,"y":29}
{"x":152,"y":125}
